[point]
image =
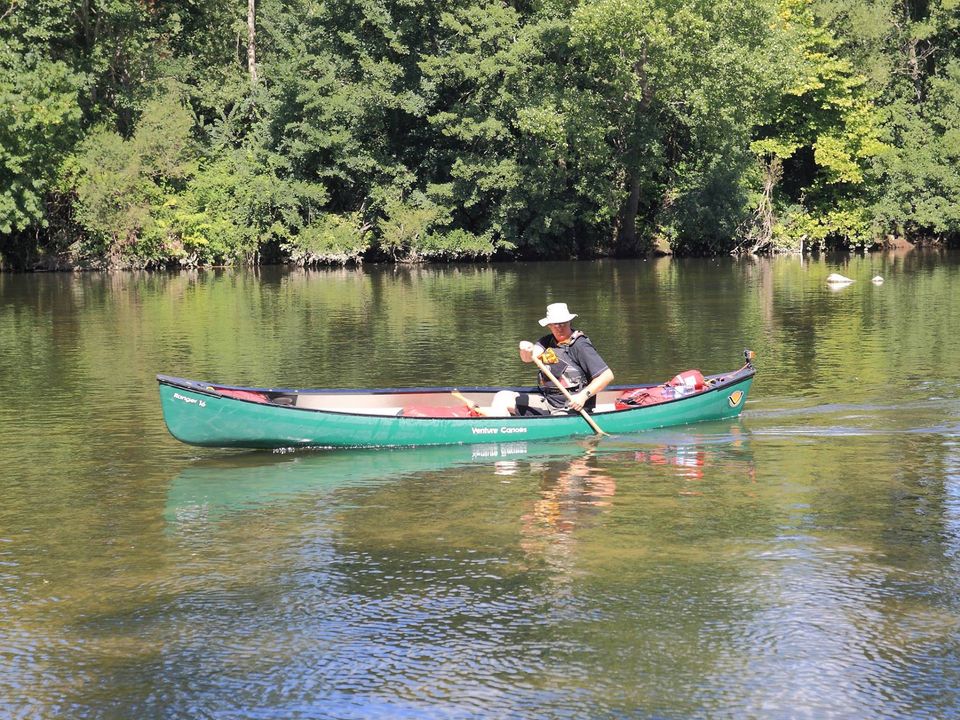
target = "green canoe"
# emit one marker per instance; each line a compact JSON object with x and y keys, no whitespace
{"x":213,"y":415}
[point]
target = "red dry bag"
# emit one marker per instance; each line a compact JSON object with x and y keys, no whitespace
{"x":689,"y":381}
{"x":643,"y":396}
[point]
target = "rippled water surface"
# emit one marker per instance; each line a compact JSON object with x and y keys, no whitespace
{"x":801,"y":561}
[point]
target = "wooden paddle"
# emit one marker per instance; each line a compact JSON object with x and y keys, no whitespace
{"x":566,"y":394}
{"x":469,"y":403}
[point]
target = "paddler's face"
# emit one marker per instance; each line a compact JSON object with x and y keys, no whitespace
{"x":561,"y":331}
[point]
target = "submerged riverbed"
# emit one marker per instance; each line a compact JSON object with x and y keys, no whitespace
{"x":801,"y":561}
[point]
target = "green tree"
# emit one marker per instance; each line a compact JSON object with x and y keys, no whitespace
{"x":921,"y":186}
{"x":335,"y":130}
{"x":908,"y":51}
{"x":921,"y":198}
{"x":821,"y":138}
{"x":360,"y":104}
{"x":75,"y":68}
{"x":664,"y":99}
{"x":121,"y":185}
{"x":472,"y":72}
{"x":39,"y":121}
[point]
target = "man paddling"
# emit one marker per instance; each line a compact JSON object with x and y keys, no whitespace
{"x":570,"y":358}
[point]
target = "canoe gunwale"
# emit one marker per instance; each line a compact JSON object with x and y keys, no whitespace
{"x":728,"y":381}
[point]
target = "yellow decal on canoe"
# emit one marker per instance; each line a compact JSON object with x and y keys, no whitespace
{"x":735,"y":397}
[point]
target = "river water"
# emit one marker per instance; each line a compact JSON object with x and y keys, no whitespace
{"x":802,"y":561}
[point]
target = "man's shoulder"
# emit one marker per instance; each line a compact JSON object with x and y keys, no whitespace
{"x":584,"y":348}
{"x":580,"y":338}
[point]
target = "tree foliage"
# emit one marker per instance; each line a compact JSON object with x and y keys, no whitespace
{"x":822,"y":135}
{"x":135,"y":134}
{"x":39,"y":118}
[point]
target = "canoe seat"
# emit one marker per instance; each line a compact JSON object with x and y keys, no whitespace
{"x":356,"y":404}
{"x":391,"y":411}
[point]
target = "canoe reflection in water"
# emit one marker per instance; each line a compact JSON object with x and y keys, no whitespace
{"x":578,"y":494}
{"x":690,"y":462}
{"x":576,"y":478}
{"x":211,"y":489}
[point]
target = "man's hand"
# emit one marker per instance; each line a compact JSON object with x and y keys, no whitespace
{"x":579,"y":400}
{"x":528,"y":351}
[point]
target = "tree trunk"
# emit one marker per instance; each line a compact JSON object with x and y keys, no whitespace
{"x":758,"y":233}
{"x":766,"y":216}
{"x":251,"y":40}
{"x":913,"y":65}
{"x":627,"y":241}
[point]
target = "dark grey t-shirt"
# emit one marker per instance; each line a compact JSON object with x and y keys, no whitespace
{"x":588,"y":365}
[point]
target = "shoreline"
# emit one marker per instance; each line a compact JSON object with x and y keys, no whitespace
{"x":895,"y":246}
{"x":899,"y":249}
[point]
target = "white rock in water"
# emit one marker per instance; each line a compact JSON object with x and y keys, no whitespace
{"x":877,"y":280}
{"x":837,"y":279}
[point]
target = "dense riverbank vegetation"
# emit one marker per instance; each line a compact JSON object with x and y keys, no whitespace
{"x":139,"y":133}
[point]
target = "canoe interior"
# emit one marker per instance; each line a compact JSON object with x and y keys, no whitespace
{"x":391,"y":402}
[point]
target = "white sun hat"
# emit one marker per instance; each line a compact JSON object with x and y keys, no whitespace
{"x":557,"y":313}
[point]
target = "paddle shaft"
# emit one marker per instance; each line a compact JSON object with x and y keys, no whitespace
{"x":566,"y":394}
{"x":468,"y":402}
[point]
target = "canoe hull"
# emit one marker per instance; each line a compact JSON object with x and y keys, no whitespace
{"x":206,"y":418}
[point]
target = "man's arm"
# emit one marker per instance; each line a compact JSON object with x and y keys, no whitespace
{"x":595,"y":367}
{"x":595,"y":386}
